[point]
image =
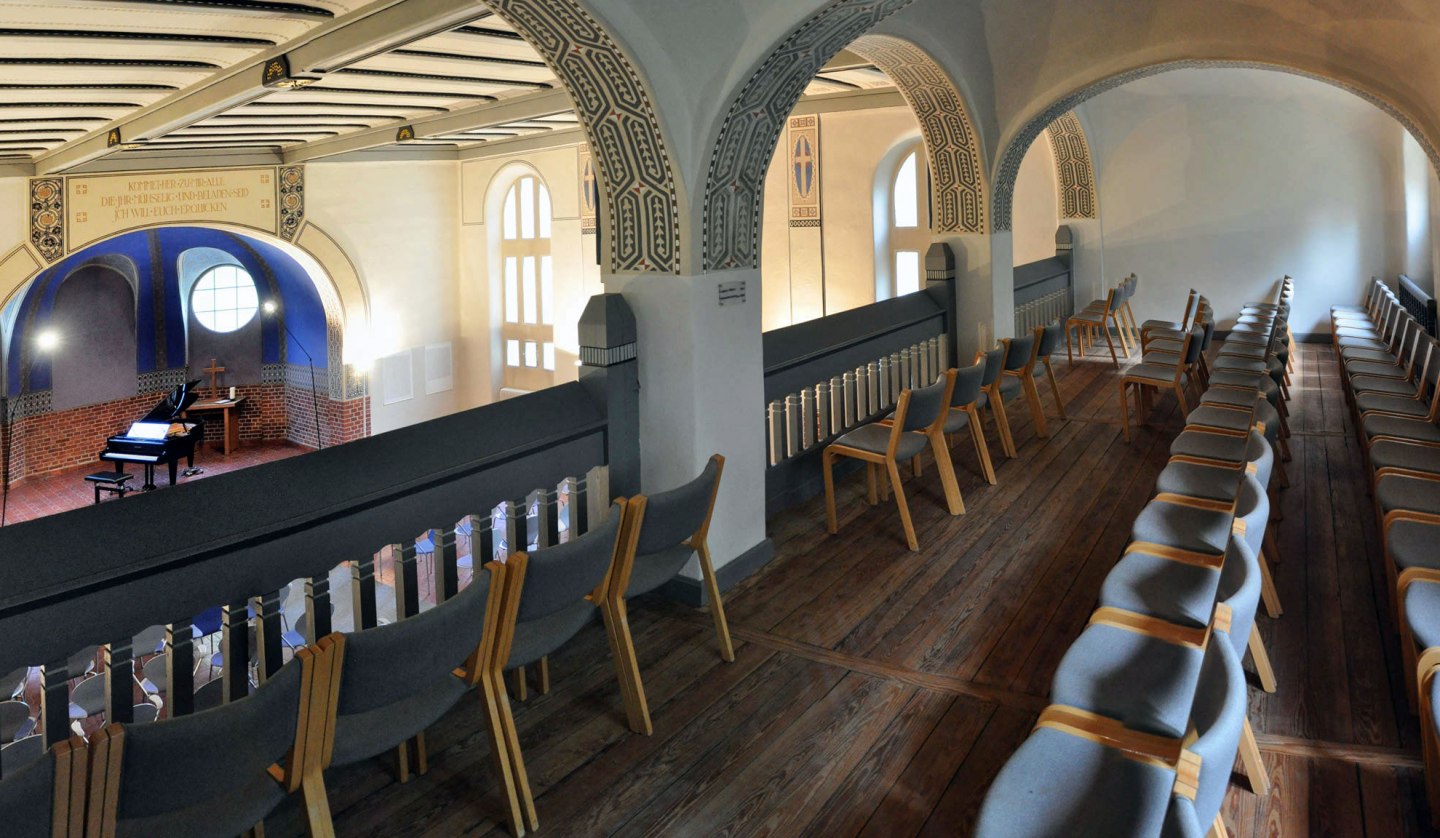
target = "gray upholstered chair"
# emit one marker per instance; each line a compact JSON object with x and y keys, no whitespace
{"x":668,"y":530}
{"x":1182,"y":325}
{"x":43,"y":796}
{"x":995,"y":388}
{"x":399,"y":679}
{"x":917,"y":423}
{"x":550,"y":595}
{"x":965,"y":400}
{"x":1430,"y":745}
{"x":1145,"y":377}
{"x":1415,"y":568}
{"x":1021,"y":356}
{"x":13,"y":718}
{"x":20,"y":753}
{"x":1067,"y":779}
{"x":270,"y":749}
{"x":1086,"y":322}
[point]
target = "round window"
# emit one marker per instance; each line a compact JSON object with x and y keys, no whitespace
{"x":224,"y":298}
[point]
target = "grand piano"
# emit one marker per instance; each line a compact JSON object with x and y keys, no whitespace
{"x":160,"y":437}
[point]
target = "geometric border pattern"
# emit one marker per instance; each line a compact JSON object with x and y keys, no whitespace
{"x":734,"y":184}
{"x":47,"y":217}
{"x":958,"y":176}
{"x":1003,"y":196}
{"x":621,"y":124}
{"x":291,"y":204}
{"x":1073,"y":170}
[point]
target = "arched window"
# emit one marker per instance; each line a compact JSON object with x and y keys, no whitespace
{"x":224,"y":298}
{"x":528,"y":293}
{"x":909,"y":223}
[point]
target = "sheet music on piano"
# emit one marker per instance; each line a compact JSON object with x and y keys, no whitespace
{"x":148,"y":430}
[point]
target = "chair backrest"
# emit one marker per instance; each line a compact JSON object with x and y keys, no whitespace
{"x":558,"y":577}
{"x":994,"y":364}
{"x":1189,"y":307}
{"x":968,"y":381}
{"x":1115,"y":299}
{"x":1195,"y":345}
{"x":674,"y":516}
{"x":46,"y":797}
{"x":1050,"y":339}
{"x":928,"y":405}
{"x":20,"y":753}
{"x":1218,"y":716}
{"x":1240,"y":590}
{"x":135,"y":763}
{"x":1019,"y":351}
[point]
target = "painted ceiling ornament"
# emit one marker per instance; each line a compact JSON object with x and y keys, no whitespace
{"x":47,"y":217}
{"x":292,"y":201}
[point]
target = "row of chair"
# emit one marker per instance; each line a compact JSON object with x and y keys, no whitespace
{"x":930,"y":418}
{"x":354,"y":696}
{"x":1390,"y":369}
{"x":1148,"y":706}
{"x":1100,"y":316}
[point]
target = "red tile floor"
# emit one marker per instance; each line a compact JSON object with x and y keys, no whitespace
{"x":36,"y":497}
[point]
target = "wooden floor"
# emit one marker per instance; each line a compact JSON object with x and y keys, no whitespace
{"x":877,"y":692}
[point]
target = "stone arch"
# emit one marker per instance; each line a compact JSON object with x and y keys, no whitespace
{"x":1008,"y":166}
{"x":957,"y":191}
{"x":641,"y":197}
{"x":734,"y":184}
{"x":1074,"y":169}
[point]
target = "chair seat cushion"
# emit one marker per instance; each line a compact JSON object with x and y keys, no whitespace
{"x":1389,"y":454}
{"x":1233,"y":349}
{"x":1241,"y":378}
{"x":957,"y":420}
{"x":1183,"y":527}
{"x":1149,"y":325}
{"x":1367,"y":354}
{"x":1247,"y":339}
{"x":1222,"y":418}
{"x":1416,"y":429}
{"x":1412,"y":494}
{"x":1177,"y":592}
{"x":655,"y":569}
{"x":1351,"y":332}
{"x":1165,"y":334}
{"x":1422,"y":613}
{"x":1379,"y":369}
{"x":1384,"y":386}
{"x":1412,"y":544}
{"x":1146,"y":683}
{"x":1230,"y":396}
{"x":538,"y":638}
{"x":1193,"y":480}
{"x":1362,"y":343}
{"x":1010,"y":385}
{"x":876,"y":440}
{"x":1058,"y":784}
{"x":1164,"y":345}
{"x":1153,"y":373}
{"x":1207,"y":446}
{"x":359,"y":736}
{"x":1242,"y":364}
{"x":1381,"y":403}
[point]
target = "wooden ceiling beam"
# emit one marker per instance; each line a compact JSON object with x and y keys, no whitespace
{"x":375,"y":29}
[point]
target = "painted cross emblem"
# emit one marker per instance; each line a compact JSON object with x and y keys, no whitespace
{"x":804,"y":157}
{"x":591,"y":197}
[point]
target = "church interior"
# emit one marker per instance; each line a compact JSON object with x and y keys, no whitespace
{"x":360,"y":355}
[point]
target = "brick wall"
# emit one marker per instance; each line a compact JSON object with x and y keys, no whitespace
{"x":274,"y":411}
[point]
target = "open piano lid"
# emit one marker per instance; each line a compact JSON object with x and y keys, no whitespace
{"x":173,"y":405}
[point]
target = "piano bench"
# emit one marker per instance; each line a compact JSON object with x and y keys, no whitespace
{"x":113,"y":482}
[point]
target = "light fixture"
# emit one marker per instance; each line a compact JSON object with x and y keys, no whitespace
{"x":270,"y":307}
{"x":48,"y":340}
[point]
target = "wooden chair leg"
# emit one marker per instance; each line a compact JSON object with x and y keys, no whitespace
{"x":517,"y":763}
{"x":1055,"y":386}
{"x":1120,"y":332}
{"x":1262,"y":660}
{"x":1270,"y":545}
{"x":1254,"y":763}
{"x":522,"y":689}
{"x":916,"y":469}
{"x":1002,"y":424}
{"x":1037,"y":413}
{"x":637,"y":711}
{"x":402,"y":762}
{"x":1180,"y":396}
{"x":946,"y":467}
{"x":318,"y":823}
{"x":422,"y":758}
{"x":545,"y":675}
{"x":1069,"y":349}
{"x":717,"y":605}
{"x":1267,"y":587}
{"x":501,"y":759}
{"x":872,"y":494}
{"x":1115,"y":359}
{"x":827,"y":462}
{"x":1217,"y":828}
{"x":894,"y":472}
{"x":982,"y":448}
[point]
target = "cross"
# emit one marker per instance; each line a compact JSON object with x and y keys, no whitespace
{"x":214,"y":369}
{"x":589,"y":186}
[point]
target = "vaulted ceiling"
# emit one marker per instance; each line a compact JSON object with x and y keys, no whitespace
{"x":184,"y":79}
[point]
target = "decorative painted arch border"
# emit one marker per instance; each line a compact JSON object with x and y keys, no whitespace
{"x":1009,"y":166}
{"x":734,"y":185}
{"x":620,"y":120}
{"x":957,"y":193}
{"x":1074,"y":171}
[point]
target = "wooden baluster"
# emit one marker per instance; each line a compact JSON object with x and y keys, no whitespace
{"x":235,"y":650}
{"x":580,"y":509}
{"x":446,"y":564}
{"x":565,"y":503}
{"x":318,"y":607}
{"x":407,"y":580}
{"x":55,"y":702}
{"x":807,"y":419}
{"x":362,"y":591}
{"x":269,"y":629}
{"x":597,"y":496}
{"x":792,"y":425}
{"x":849,"y":392}
{"x":880,"y":385}
{"x":824,"y":404}
{"x":119,"y":683}
{"x":922,"y":356}
{"x":483,"y":541}
{"x":180,"y":667}
{"x":552,"y":516}
{"x":509,"y":529}
{"x":537,"y":521}
{"x":943,"y":347}
{"x":897,"y":381}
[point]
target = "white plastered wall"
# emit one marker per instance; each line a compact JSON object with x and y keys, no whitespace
{"x":1036,"y":206}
